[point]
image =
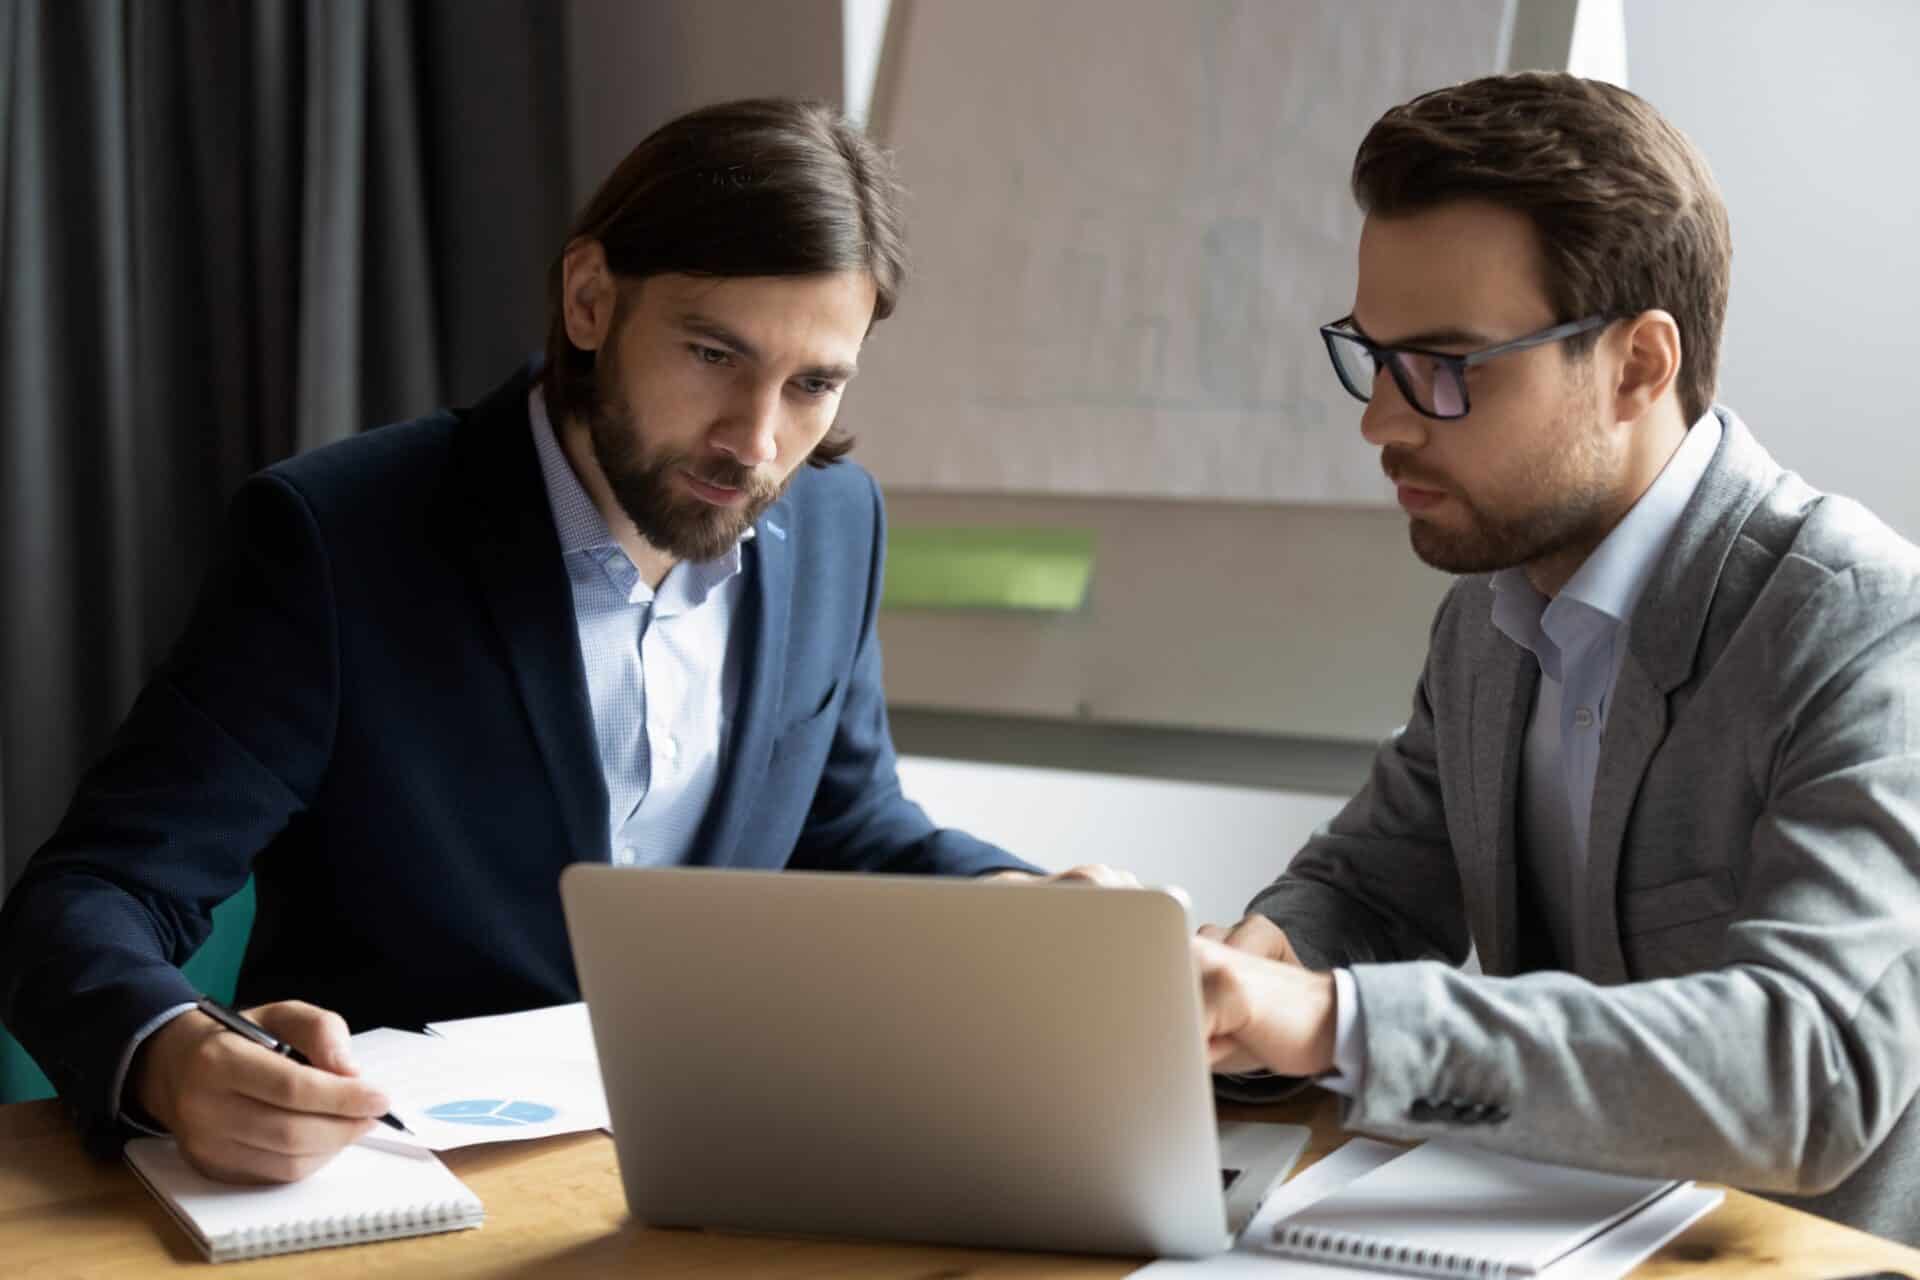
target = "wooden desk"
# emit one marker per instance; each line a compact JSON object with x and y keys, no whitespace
{"x":554,"y":1209}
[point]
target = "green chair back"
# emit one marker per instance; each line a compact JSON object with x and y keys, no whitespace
{"x":214,"y":969}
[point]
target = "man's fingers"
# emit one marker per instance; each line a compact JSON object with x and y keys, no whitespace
{"x":265,"y":1076}
{"x":1095,"y":873}
{"x":1280,"y":1016}
{"x":1219,"y":988}
{"x":1227,"y":1005}
{"x":243,"y":1113}
{"x":319,"y":1033}
{"x":1209,"y":950}
{"x":1253,"y":933}
{"x":1100,"y":874}
{"x":255,"y":1124}
{"x":1260,"y":936}
{"x":228,"y":1160}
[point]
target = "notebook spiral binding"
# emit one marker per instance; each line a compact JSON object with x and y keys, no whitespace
{"x":329,"y":1232}
{"x":1322,"y":1245}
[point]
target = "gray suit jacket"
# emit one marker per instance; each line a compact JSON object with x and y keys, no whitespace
{"x":1744,"y":999}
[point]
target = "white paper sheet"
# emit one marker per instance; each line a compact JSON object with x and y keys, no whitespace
{"x":459,"y":1093}
{"x":562,"y":1031}
{"x":1635,"y":1240}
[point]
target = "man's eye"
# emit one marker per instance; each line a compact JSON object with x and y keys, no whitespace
{"x":711,"y":355}
{"x":818,"y":386}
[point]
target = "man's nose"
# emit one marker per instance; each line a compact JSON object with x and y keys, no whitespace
{"x":1389,"y":419}
{"x":750,"y":434}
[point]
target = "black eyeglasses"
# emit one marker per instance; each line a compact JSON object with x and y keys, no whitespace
{"x":1433,"y":382}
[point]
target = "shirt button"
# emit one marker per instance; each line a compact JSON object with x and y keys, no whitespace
{"x":625,"y":856}
{"x":670,"y":749}
{"x":1583,"y":717}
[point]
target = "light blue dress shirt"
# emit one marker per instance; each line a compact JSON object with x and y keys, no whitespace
{"x":663,"y":671}
{"x":1579,"y":641}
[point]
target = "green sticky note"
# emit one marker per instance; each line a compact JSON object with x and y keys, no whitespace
{"x":974,"y":568}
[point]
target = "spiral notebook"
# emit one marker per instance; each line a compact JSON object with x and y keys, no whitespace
{"x":366,"y":1193}
{"x":1449,"y":1209}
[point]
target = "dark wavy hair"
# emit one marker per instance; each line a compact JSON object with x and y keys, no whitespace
{"x":760,"y":187}
{"x":1627,"y":213}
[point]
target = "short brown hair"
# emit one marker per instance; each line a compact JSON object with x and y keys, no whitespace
{"x":759,"y":187}
{"x":1627,"y":213}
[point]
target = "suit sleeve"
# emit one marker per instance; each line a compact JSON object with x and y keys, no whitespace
{"x":859,"y":819}
{"x":1378,"y":882}
{"x":1784,"y":1066}
{"x":224,"y":748}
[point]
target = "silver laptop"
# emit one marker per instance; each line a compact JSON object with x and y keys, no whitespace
{"x":911,"y":1058}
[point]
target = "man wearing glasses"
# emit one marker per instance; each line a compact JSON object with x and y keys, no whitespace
{"x":1663,"y":766}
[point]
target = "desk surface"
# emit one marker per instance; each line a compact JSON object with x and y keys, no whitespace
{"x":554,"y":1208}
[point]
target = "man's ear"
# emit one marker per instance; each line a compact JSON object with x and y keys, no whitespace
{"x":587,"y":294}
{"x":1649,"y":355}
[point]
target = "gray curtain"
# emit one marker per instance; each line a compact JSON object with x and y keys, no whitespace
{"x":231,"y":230}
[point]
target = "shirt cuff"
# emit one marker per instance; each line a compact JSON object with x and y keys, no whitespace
{"x":1349,"y":1040}
{"x":152,"y":1025}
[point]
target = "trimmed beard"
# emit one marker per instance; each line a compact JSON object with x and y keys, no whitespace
{"x":1577,"y":511}
{"x":666,"y":515}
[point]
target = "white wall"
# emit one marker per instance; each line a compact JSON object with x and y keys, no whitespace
{"x":1220,"y":844}
{"x":1805,"y":114}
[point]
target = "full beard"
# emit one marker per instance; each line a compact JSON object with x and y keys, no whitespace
{"x":666,"y":515}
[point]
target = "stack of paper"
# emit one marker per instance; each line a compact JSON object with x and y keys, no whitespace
{"x":502,"y":1079}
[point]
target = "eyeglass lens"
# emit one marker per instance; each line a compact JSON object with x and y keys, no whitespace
{"x":1433,"y":385}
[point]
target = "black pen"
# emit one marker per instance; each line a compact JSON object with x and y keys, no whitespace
{"x":267,"y":1040}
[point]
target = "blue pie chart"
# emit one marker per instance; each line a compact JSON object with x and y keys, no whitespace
{"x":498,"y":1113}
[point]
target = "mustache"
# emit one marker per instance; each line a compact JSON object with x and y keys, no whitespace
{"x":1400,"y":470}
{"x":728,"y":475}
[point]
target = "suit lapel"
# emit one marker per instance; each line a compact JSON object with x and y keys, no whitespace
{"x":1662,"y":651}
{"x":1502,"y":699}
{"x":498,"y":513}
{"x":1636,"y":724}
{"x":762,"y":628}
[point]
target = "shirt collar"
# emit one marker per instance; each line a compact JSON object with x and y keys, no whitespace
{"x":1613,"y":577}
{"x":582,"y":528}
{"x":578,"y":522}
{"x":1607,"y":586}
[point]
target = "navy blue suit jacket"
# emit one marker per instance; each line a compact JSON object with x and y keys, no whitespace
{"x":380,"y":711}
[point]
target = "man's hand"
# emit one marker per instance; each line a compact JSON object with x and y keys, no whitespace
{"x":1255,"y":935}
{"x":1264,"y":1014}
{"x":242,"y":1113}
{"x":1095,"y":873}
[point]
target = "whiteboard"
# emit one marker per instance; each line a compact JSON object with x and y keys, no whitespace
{"x":1128,"y":220}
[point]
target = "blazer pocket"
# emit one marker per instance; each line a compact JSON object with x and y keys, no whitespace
{"x":1678,"y":902}
{"x":811,"y":718}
